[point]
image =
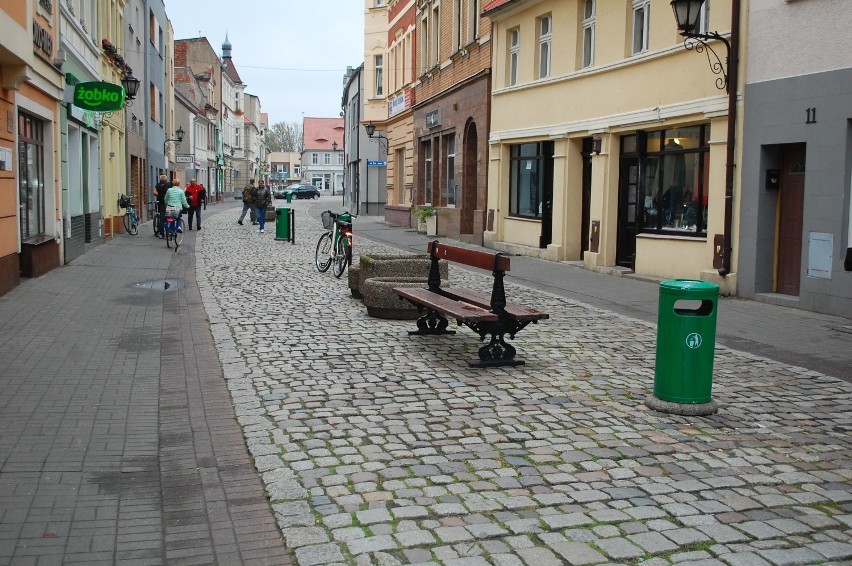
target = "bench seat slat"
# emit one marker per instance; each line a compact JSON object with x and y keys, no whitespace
{"x":516,"y":312}
{"x":473,"y":258}
{"x":446,"y":305}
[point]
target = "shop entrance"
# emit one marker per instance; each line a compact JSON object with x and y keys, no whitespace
{"x":628,"y":202}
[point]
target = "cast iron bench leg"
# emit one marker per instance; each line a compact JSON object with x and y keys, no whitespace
{"x":432,"y":323}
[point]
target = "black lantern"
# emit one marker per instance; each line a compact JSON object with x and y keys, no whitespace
{"x":370,"y":129}
{"x":334,"y":145}
{"x":131,"y":86}
{"x":383,"y":141}
{"x":597,"y":144}
{"x":179,"y":134}
{"x":686,"y":13}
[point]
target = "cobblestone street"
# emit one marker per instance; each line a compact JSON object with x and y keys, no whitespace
{"x":379,"y":448}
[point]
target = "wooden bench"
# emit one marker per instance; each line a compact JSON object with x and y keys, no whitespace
{"x":487,"y":316}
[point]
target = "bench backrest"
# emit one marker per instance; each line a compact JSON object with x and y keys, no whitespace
{"x":473,"y":258}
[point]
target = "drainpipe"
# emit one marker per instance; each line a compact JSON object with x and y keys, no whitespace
{"x":733,"y":87}
{"x":847,"y":263}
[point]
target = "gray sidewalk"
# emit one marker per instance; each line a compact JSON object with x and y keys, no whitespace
{"x":118,"y":441}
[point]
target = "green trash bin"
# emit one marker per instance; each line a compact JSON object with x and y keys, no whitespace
{"x":686,"y":341}
{"x":289,"y":195}
{"x":282,"y":223}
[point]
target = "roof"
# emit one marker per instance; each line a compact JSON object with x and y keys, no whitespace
{"x":231,"y":70}
{"x":319,"y":133}
{"x":491,"y":5}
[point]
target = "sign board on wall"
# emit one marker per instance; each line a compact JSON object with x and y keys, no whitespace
{"x":184,"y":158}
{"x":99,"y":96}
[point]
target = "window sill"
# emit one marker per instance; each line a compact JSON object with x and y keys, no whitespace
{"x":671,"y":236}
{"x":524,"y":218}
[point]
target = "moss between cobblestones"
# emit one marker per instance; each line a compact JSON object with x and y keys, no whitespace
{"x":694,"y":547}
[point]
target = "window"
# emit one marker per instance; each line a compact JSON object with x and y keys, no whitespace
{"x":704,"y":17}
{"x":315,"y":159}
{"x":427,"y":171}
{"x":436,"y":35}
{"x":450,"y":145}
{"x":544,"y":40}
{"x":424,"y":44}
{"x":340,"y":158}
{"x":379,"y":59}
{"x":673,"y":188}
{"x":237,"y":137}
{"x":529,"y":166}
{"x":326,"y":159}
{"x":32,"y":177}
{"x":154,"y":101}
{"x":472,"y":20}
{"x":641,"y":10}
{"x":380,"y":3}
{"x":588,"y":33}
{"x":514,"y":51}
{"x":457,"y":25}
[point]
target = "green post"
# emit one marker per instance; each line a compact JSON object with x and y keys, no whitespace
{"x":686,"y":342}
{"x":282,"y":223}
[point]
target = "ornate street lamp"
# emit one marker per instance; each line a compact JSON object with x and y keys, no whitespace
{"x":131,"y":87}
{"x":177,"y":139}
{"x":686,"y":14}
{"x":371,"y":129}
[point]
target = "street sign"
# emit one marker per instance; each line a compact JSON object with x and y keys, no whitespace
{"x":376,"y":163}
{"x":184,"y":158}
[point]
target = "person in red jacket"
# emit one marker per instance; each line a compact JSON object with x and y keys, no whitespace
{"x":196,"y":196}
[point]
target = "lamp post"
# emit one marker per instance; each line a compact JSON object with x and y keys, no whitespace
{"x":383,"y":141}
{"x":334,"y":181}
{"x":177,"y":139}
{"x":686,"y":14}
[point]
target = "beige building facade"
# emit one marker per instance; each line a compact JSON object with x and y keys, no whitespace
{"x":608,"y":138}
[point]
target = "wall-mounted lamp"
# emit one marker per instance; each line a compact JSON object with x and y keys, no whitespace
{"x":597,"y":145}
{"x":334,"y":146}
{"x":773,"y":179}
{"x":131,"y":87}
{"x":177,"y":139}
{"x":371,"y":129}
{"x":687,"y":13}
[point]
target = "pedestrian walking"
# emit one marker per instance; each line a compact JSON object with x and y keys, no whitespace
{"x":248,"y":200}
{"x":262,"y":198}
{"x":160,"y":190}
{"x":196,"y":196}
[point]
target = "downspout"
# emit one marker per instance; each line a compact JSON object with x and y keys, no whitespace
{"x":733,"y":87}
{"x":847,"y":262}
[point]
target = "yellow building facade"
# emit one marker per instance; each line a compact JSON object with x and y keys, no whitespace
{"x":608,"y":138}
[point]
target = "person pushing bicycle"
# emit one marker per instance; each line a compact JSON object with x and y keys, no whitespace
{"x":160,"y":190}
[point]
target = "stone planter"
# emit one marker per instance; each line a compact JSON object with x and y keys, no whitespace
{"x":382,"y":302}
{"x":397,"y":266}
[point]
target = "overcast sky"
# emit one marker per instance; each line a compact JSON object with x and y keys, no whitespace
{"x":290,"y":53}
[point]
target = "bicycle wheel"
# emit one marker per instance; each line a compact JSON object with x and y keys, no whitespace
{"x":157,"y":221}
{"x":339,"y":260}
{"x":126,"y":221}
{"x":134,"y":224}
{"x":323,"y":256}
{"x":178,"y":233}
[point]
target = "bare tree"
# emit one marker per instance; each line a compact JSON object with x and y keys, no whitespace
{"x":285,"y":136}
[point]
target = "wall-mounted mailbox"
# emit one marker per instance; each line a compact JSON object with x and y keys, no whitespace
{"x":773,"y":179}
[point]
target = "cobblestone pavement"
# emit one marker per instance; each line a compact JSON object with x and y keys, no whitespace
{"x":380,"y":448}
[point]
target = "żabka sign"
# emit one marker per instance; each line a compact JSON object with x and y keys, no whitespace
{"x":99,"y":96}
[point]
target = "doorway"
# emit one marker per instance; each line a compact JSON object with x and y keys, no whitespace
{"x":790,"y":220}
{"x":628,"y":200}
{"x":470,"y":176}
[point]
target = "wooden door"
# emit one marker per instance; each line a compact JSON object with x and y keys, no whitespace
{"x":792,"y":202}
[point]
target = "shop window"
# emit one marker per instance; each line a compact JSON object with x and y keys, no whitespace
{"x":674,"y":185}
{"x":528,"y":175}
{"x":31,"y":175}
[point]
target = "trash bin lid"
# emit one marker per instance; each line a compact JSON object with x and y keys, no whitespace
{"x":689,"y":287}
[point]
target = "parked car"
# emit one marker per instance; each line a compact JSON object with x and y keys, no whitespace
{"x":279,"y":191}
{"x":304,"y":191}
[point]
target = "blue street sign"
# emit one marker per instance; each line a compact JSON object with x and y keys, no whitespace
{"x":376,"y":163}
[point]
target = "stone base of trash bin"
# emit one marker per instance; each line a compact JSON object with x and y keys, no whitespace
{"x":683,"y":409}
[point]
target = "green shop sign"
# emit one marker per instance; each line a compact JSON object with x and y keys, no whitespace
{"x":99,"y":96}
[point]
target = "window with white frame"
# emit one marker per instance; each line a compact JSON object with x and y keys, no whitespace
{"x":514,"y":52}
{"x":589,"y":33}
{"x":326,"y":159}
{"x":436,"y":35}
{"x":472,"y":20}
{"x":237,"y":137}
{"x":380,"y":3}
{"x":380,"y":69}
{"x":545,"y":37}
{"x":704,"y":17}
{"x":424,"y":44}
{"x":641,"y":18}
{"x":450,"y":146}
{"x":315,"y":159}
{"x":340,"y":158}
{"x":457,"y":25}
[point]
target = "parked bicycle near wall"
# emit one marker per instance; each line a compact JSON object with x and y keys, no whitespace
{"x":130,"y":219}
{"x":334,"y":247}
{"x":173,"y":227}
